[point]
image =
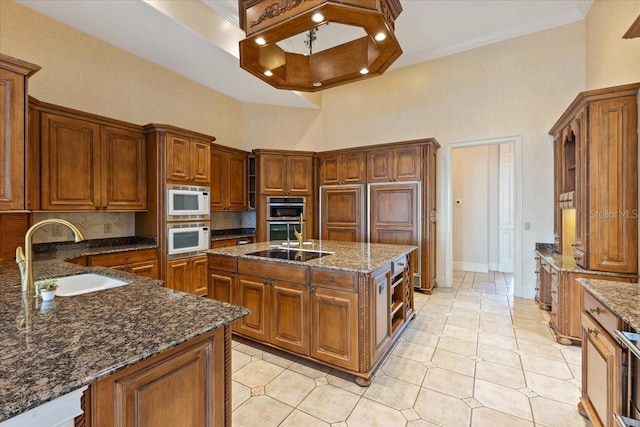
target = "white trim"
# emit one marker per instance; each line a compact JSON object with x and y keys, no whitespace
{"x":471,"y":266}
{"x":446,"y":279}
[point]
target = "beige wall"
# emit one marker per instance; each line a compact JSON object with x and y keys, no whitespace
{"x":611,"y":60}
{"x":82,"y":72}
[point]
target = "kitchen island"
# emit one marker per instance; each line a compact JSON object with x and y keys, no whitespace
{"x":342,"y":304}
{"x":116,"y":342}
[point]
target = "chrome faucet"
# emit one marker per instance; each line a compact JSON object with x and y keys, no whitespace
{"x":25,"y":263}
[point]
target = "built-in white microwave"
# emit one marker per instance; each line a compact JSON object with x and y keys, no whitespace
{"x":187,"y":238}
{"x":187,"y":202}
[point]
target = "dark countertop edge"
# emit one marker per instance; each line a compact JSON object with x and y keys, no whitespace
{"x":594,"y":287}
{"x":232,"y":236}
{"x":68,"y":254}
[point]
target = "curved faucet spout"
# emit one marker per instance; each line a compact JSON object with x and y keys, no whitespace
{"x":24,"y":258}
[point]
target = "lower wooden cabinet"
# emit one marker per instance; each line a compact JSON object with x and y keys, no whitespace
{"x":187,"y":385}
{"x":543,"y":284}
{"x":220,"y":285}
{"x":142,"y":262}
{"x":334,"y":327}
{"x":188,"y":275}
{"x":601,"y":364}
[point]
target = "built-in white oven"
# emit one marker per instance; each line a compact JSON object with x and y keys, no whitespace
{"x":186,"y":202}
{"x":187,"y":238}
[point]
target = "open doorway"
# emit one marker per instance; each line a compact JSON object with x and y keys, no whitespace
{"x":482,"y":208}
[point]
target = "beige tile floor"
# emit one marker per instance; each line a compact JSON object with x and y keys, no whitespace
{"x":473,"y":356}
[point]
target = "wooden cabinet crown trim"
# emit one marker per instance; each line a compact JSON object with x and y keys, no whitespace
{"x":59,"y":110}
{"x":590,"y":96}
{"x":18,"y":65}
{"x":155,"y":127}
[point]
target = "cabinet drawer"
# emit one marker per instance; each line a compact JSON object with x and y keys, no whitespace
{"x":334,"y":279}
{"x":216,"y":244}
{"x":120,"y":258}
{"x":609,"y":321}
{"x":398,"y":265}
{"x":287,"y":273}
{"x":222,"y":262}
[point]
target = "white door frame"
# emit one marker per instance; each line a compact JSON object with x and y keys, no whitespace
{"x":447,"y":203}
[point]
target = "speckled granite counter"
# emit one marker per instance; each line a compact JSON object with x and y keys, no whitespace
{"x":623,"y":299}
{"x":233,"y":233}
{"x":86,"y":337}
{"x":71,"y":250}
{"x":360,"y":257}
{"x":568,"y":263}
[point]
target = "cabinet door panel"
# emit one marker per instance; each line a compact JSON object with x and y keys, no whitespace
{"x":217,"y":194}
{"x":353,"y":168}
{"x":147,"y":269}
{"x":329,"y":170}
{"x":177,"y":158}
{"x":299,"y":170}
{"x":12,"y":139}
{"x":71,"y":172}
{"x":177,"y":274}
{"x":394,"y":214}
{"x":253,"y":293}
{"x":341,"y":214}
{"x":199,"y":159}
{"x":273,"y":172}
{"x":198,"y":275}
{"x":290,"y":316}
{"x":334,"y":327}
{"x":407,"y":162}
{"x":379,"y":166}
{"x":613,"y":185}
{"x":220,"y":283}
{"x":125,"y":172}
{"x":237,"y":183}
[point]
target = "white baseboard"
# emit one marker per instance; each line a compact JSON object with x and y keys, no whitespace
{"x":493,"y":266}
{"x":505,"y":268}
{"x":471,"y":266}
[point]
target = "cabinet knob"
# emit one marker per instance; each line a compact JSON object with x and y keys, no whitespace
{"x":595,"y":310}
{"x":401,"y":264}
{"x":536,"y":289}
{"x":593,"y":331}
{"x":219,"y":262}
{"x":312,"y":290}
{"x":554,"y":292}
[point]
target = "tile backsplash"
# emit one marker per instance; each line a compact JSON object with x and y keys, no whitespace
{"x":94,"y":225}
{"x":227,"y":220}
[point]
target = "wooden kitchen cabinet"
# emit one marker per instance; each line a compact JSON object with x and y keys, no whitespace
{"x":14,"y":75}
{"x":278,"y":299}
{"x":221,"y":278}
{"x":601,"y":364}
{"x":229,"y":174}
{"x":188,"y":159}
{"x":543,"y":283}
{"x":190,"y":383}
{"x":345,"y":168}
{"x":597,"y":166}
{"x":403,"y":163}
{"x":89,"y":162}
{"x":282,"y":174}
{"x":188,"y":275}
{"x":342,"y":213}
{"x":225,"y":243}
{"x":142,"y":262}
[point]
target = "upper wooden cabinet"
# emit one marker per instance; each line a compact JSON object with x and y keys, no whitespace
{"x":285,"y":174}
{"x":13,"y":123}
{"x":229,"y":172}
{"x":597,"y":176}
{"x":188,"y":160}
{"x":403,"y":163}
{"x":346,"y":168}
{"x":88,"y":162}
{"x":342,"y":213}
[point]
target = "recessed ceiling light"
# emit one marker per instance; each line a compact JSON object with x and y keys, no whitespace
{"x":317,"y":17}
{"x":268,"y":73}
{"x":380,"y":36}
{"x":364,"y":71}
{"x":261,"y":41}
{"x":317,"y":84}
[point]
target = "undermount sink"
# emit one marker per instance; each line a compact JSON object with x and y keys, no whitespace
{"x":84,"y":283}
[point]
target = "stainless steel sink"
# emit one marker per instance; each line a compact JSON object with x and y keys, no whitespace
{"x":84,"y":283}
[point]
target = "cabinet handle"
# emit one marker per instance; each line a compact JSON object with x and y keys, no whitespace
{"x":553,"y":273}
{"x":536,"y":289}
{"x":574,"y":245}
{"x":537,"y":272}
{"x":595,"y":310}
{"x":401,"y":264}
{"x":593,"y":332}
{"x":265,"y":282}
{"x":554,"y":292}
{"x":381,"y":288}
{"x":332,"y":279}
{"x":219,"y":262}
{"x":537,"y":258}
{"x":577,"y":258}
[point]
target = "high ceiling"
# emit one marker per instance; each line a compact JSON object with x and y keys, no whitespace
{"x":199,"y":39}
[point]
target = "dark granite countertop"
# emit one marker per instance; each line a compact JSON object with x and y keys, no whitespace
{"x":568,"y":263}
{"x":71,"y":250}
{"x":358,"y":257}
{"x":232,"y":233}
{"x":83,"y":338}
{"x":621,"y":298}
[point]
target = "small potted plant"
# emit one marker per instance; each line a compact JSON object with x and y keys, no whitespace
{"x":47,"y":289}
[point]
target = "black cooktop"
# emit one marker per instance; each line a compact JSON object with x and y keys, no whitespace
{"x":290,"y":254}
